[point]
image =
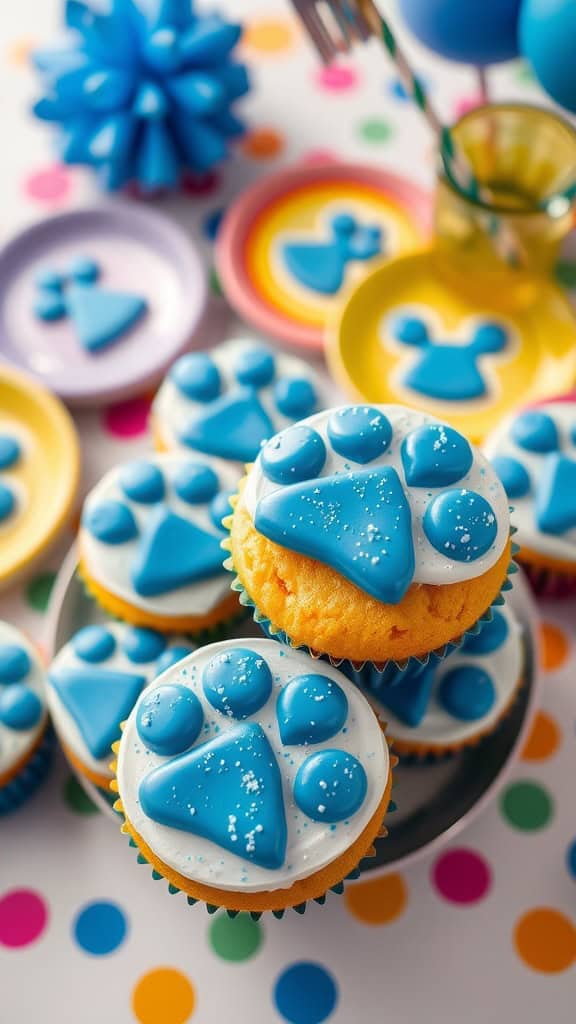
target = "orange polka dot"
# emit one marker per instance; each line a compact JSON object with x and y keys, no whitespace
{"x":263,"y":144}
{"x":379,"y":901}
{"x":544,"y":738}
{"x":554,"y":646}
{"x":163,"y":996}
{"x":19,"y":52}
{"x":545,"y":940}
{"x":269,"y":35}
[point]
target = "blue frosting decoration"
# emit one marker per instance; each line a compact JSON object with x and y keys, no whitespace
{"x":20,"y":707}
{"x":513,"y":475}
{"x":102,"y":316}
{"x":255,"y":367}
{"x":535,"y":431}
{"x":359,"y":432}
{"x":49,"y":306}
{"x":229,"y":791}
{"x":111,"y":522}
{"x":310,"y":709}
{"x":48,"y":279}
{"x":169,"y":719}
{"x":409,"y":701}
{"x":143,"y":482}
{"x":142,"y":645}
{"x":237,"y":682}
{"x":320,"y":266}
{"x":295,"y":397}
{"x":14,"y":663}
{"x":98,"y":699}
{"x":435,"y":456}
{"x":94,"y":644}
{"x":220,"y":507}
{"x":195,"y":483}
{"x":467,"y":693}
{"x":233,"y":427}
{"x":174,"y":553}
{"x":171,"y":656}
{"x":330,"y":786}
{"x":10,"y":451}
{"x":7,"y":502}
{"x":327,"y":519}
{"x":197,"y":377}
{"x":85,"y":269}
{"x":295,"y":454}
{"x":492,"y":635}
{"x":555,"y":508}
{"x":460,"y":524}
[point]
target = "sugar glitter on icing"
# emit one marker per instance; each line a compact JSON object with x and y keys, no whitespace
{"x":293,"y":455}
{"x":435,"y":456}
{"x":359,"y":433}
{"x":237,"y":682}
{"x":330,"y":786}
{"x":462,"y":523}
{"x":169,"y":719}
{"x":22,"y":697}
{"x":311,"y":709}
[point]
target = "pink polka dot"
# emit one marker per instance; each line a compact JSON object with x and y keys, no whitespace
{"x":319,"y":156}
{"x":23,"y":918}
{"x":128,"y":419}
{"x":462,"y":876}
{"x":52,"y":185}
{"x":337,"y":78}
{"x":466,"y":103}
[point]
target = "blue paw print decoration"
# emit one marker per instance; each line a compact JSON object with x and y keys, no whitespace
{"x":22,"y":702}
{"x":11,"y":455}
{"x":100,"y":316}
{"x":450,"y":371}
{"x":321,"y":265}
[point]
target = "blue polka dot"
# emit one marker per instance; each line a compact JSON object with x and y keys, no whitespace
{"x":296,"y":454}
{"x":100,"y":928}
{"x":85,"y":269}
{"x":330,"y":786}
{"x":20,"y":707}
{"x":359,"y":432}
{"x":535,"y":432}
{"x":9,"y":451}
{"x":110,"y":522}
{"x":491,"y":636}
{"x":220,"y":508}
{"x":171,"y":656}
{"x":467,"y":693}
{"x":410,"y":330}
{"x":513,"y":474}
{"x":461,"y":525}
{"x":571,"y":859}
{"x":305,"y":993}
{"x":211,"y":224}
{"x":398,"y":92}
{"x":7,"y":502}
{"x":197,"y":377}
{"x":94,"y":644}
{"x":14,"y":663}
{"x":169,"y":719}
{"x":143,"y":645}
{"x":142,"y":482}
{"x":237,"y":682}
{"x":195,"y":483}
{"x":295,"y":398}
{"x":255,"y":367}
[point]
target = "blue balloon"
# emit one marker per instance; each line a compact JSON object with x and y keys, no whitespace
{"x":547,"y":41}
{"x":476,"y":32}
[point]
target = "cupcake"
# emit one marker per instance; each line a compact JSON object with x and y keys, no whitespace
{"x":534,"y":454}
{"x":230,"y":400}
{"x":150,"y":543}
{"x":25,"y":741}
{"x":93,"y":684}
{"x":249,"y":781}
{"x":371,"y":535}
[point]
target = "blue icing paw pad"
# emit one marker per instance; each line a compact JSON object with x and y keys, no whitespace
{"x":197,"y":377}
{"x":492,"y":635}
{"x":330,"y":786}
{"x":7,"y":502}
{"x":10,"y":451}
{"x":20,"y":708}
{"x":50,"y":306}
{"x":142,"y":482}
{"x":237,"y":682}
{"x":111,"y":522}
{"x":14,"y":663}
{"x":467,"y":693}
{"x":233,"y":427}
{"x":295,"y":398}
{"x":101,"y":316}
{"x":174,"y":553}
{"x":220,"y":507}
{"x":535,"y":432}
{"x":171,"y":656}
{"x":169,"y":719}
{"x":229,"y":791}
{"x":513,"y":474}
{"x":555,"y":508}
{"x":98,"y":699}
{"x":359,"y":432}
{"x":326,"y":519}
{"x":410,"y":699}
{"x":255,"y":367}
{"x":142,"y":645}
{"x":295,"y":454}
{"x":461,"y":525}
{"x":94,"y":644}
{"x":435,"y":456}
{"x":311,"y":709}
{"x":84,"y":269}
{"x":195,"y":483}
{"x":320,"y":265}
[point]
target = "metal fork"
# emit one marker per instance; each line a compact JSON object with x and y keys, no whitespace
{"x":334,"y":26}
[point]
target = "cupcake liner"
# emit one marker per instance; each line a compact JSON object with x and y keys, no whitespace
{"x":30,"y":778}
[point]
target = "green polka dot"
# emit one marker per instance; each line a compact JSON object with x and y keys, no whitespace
{"x":76,"y":797}
{"x":235,"y":938}
{"x":376,"y":130}
{"x":527,"y":806}
{"x":565,"y":274}
{"x":215,"y":286}
{"x":523,"y":73}
{"x":39,"y":589}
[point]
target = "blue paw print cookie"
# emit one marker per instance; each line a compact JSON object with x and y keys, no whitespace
{"x":248,"y":767}
{"x":23,"y":717}
{"x":11,"y":457}
{"x":151,"y":537}
{"x":95,"y":681}
{"x":229,"y":401}
{"x":319,"y":264}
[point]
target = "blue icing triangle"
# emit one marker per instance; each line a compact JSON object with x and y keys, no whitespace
{"x":556,"y":495}
{"x":359,"y":523}
{"x":319,"y":266}
{"x":229,"y":791}
{"x":101,"y":316}
{"x":98,"y":700}
{"x":174,"y":552}
{"x":409,"y":701}
{"x":233,"y":427}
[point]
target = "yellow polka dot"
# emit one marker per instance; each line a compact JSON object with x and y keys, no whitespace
{"x":269,"y":35}
{"x":163,"y":996}
{"x":545,"y":940}
{"x":263,"y":144}
{"x":555,"y":646}
{"x":544,"y":738}
{"x":379,"y":901}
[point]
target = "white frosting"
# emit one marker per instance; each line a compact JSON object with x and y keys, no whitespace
{"x":311,"y":844}
{"x":557,"y":546}
{"x":431,"y":566}
{"x":15,"y":744}
{"x":110,"y":565}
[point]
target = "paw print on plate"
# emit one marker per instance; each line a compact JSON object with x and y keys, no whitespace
{"x":228,"y":401}
{"x":22,"y":698}
{"x":321,"y":265}
{"x":11,"y":456}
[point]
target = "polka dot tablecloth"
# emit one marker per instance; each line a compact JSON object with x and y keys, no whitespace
{"x":484,"y":930}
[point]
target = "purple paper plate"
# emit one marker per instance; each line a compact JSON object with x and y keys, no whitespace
{"x":139,"y":251}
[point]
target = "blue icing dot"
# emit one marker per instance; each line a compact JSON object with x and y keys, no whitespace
{"x":535,"y":432}
{"x":142,"y":482}
{"x":85,"y":269}
{"x":435,"y":456}
{"x":49,"y":279}
{"x":490,"y":638}
{"x":220,"y":508}
{"x":10,"y":451}
{"x":330,"y":786}
{"x":295,"y":454}
{"x":169,"y":719}
{"x":94,"y":644}
{"x":14,"y":663}
{"x":255,"y":367}
{"x":111,"y":522}
{"x":359,"y":432}
{"x":197,"y":377}
{"x":171,"y":656}
{"x":555,"y":506}
{"x":7,"y":502}
{"x":296,"y":397}
{"x":460,"y":524}
{"x":310,"y":709}
{"x":20,"y":707}
{"x":573,"y":434}
{"x":195,"y":483}
{"x":467,"y":693}
{"x":237,"y":682}
{"x":142,"y":645}
{"x":514,"y":476}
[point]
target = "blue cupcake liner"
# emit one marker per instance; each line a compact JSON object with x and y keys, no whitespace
{"x":30,"y":778}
